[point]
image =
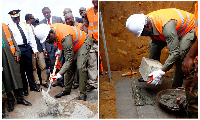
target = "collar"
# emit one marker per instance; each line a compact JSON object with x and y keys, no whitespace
{"x":50,"y":19}
{"x":155,"y":31}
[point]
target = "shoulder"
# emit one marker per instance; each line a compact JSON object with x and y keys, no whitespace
{"x":42,"y":21}
{"x":55,"y":17}
{"x":89,"y":9}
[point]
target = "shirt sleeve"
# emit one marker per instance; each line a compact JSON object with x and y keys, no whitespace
{"x":17,"y":50}
{"x":171,"y":37}
{"x":68,"y":54}
{"x":32,"y":40}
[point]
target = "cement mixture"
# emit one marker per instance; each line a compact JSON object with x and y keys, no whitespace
{"x":143,"y":96}
{"x":171,"y":100}
{"x":66,"y":109}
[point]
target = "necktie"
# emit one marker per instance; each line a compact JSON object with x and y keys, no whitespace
{"x":22,"y":34}
{"x":49,"y":22}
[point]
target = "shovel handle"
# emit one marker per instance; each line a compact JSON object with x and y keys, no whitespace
{"x":54,"y":69}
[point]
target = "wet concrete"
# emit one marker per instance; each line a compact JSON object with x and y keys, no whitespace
{"x":125,"y":100}
{"x":40,"y":109}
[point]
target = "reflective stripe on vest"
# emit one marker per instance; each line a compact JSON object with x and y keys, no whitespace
{"x":76,"y":41}
{"x":182,"y":22}
{"x":93,"y":23}
{"x":196,"y":22}
{"x":9,"y":39}
{"x":90,"y":24}
{"x":94,"y":30}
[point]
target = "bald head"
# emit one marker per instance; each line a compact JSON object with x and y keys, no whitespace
{"x":69,"y":19}
{"x":67,"y":10}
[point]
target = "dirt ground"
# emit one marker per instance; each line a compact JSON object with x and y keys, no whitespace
{"x":125,"y":51}
{"x":39,"y":108}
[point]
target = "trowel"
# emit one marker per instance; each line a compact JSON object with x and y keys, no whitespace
{"x":54,"y":71}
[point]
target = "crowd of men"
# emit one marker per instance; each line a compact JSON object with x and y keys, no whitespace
{"x":29,"y":53}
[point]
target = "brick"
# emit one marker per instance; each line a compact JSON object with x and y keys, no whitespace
{"x":147,"y":66}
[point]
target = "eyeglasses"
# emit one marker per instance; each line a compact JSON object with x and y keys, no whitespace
{"x":32,"y":18}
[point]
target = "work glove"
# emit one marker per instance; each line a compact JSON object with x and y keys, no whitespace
{"x":155,"y":77}
{"x":55,"y":77}
{"x":58,"y":52}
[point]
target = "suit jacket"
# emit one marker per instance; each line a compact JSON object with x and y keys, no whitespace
{"x":55,"y":19}
{"x":50,"y":48}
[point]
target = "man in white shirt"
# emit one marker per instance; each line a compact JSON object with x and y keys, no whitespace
{"x":25,"y":40}
{"x":40,"y":57}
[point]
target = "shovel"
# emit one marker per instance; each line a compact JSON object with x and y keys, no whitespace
{"x":54,"y":71}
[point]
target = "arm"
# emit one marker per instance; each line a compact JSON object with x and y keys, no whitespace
{"x":32,"y":40}
{"x":85,"y":24}
{"x":17,"y":50}
{"x":171,"y":37}
{"x":68,"y":53}
{"x":189,"y":60}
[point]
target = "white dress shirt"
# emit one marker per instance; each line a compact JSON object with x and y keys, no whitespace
{"x":28,"y":33}
{"x":50,"y":20}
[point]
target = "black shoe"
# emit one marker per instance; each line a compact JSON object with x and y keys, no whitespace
{"x":141,"y":80}
{"x":24,"y":102}
{"x":56,"y":84}
{"x":35,"y":89}
{"x":82,"y":98}
{"x":62,"y":93}
{"x":26,"y":93}
{"x":10,"y":106}
{"x":45,"y":85}
{"x":90,"y":88}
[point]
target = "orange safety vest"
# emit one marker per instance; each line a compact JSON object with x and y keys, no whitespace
{"x":79,"y":25}
{"x":93,"y":23}
{"x":63,"y":30}
{"x":9,"y":39}
{"x":196,"y":18}
{"x":196,"y":21}
{"x":185,"y":20}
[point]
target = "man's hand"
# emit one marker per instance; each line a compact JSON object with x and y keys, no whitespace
{"x":187,"y":64}
{"x":55,"y":77}
{"x":35,"y":55}
{"x":17,"y":58}
{"x":155,"y":77}
{"x":58,"y":52}
{"x":45,"y":53}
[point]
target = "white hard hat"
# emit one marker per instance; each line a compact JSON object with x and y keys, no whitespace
{"x":135,"y":23}
{"x":42,"y":31}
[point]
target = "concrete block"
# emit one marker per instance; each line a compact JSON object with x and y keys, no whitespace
{"x":147,"y":66}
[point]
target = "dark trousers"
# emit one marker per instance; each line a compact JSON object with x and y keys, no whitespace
{"x":26,"y":68}
{"x":18,"y":93}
